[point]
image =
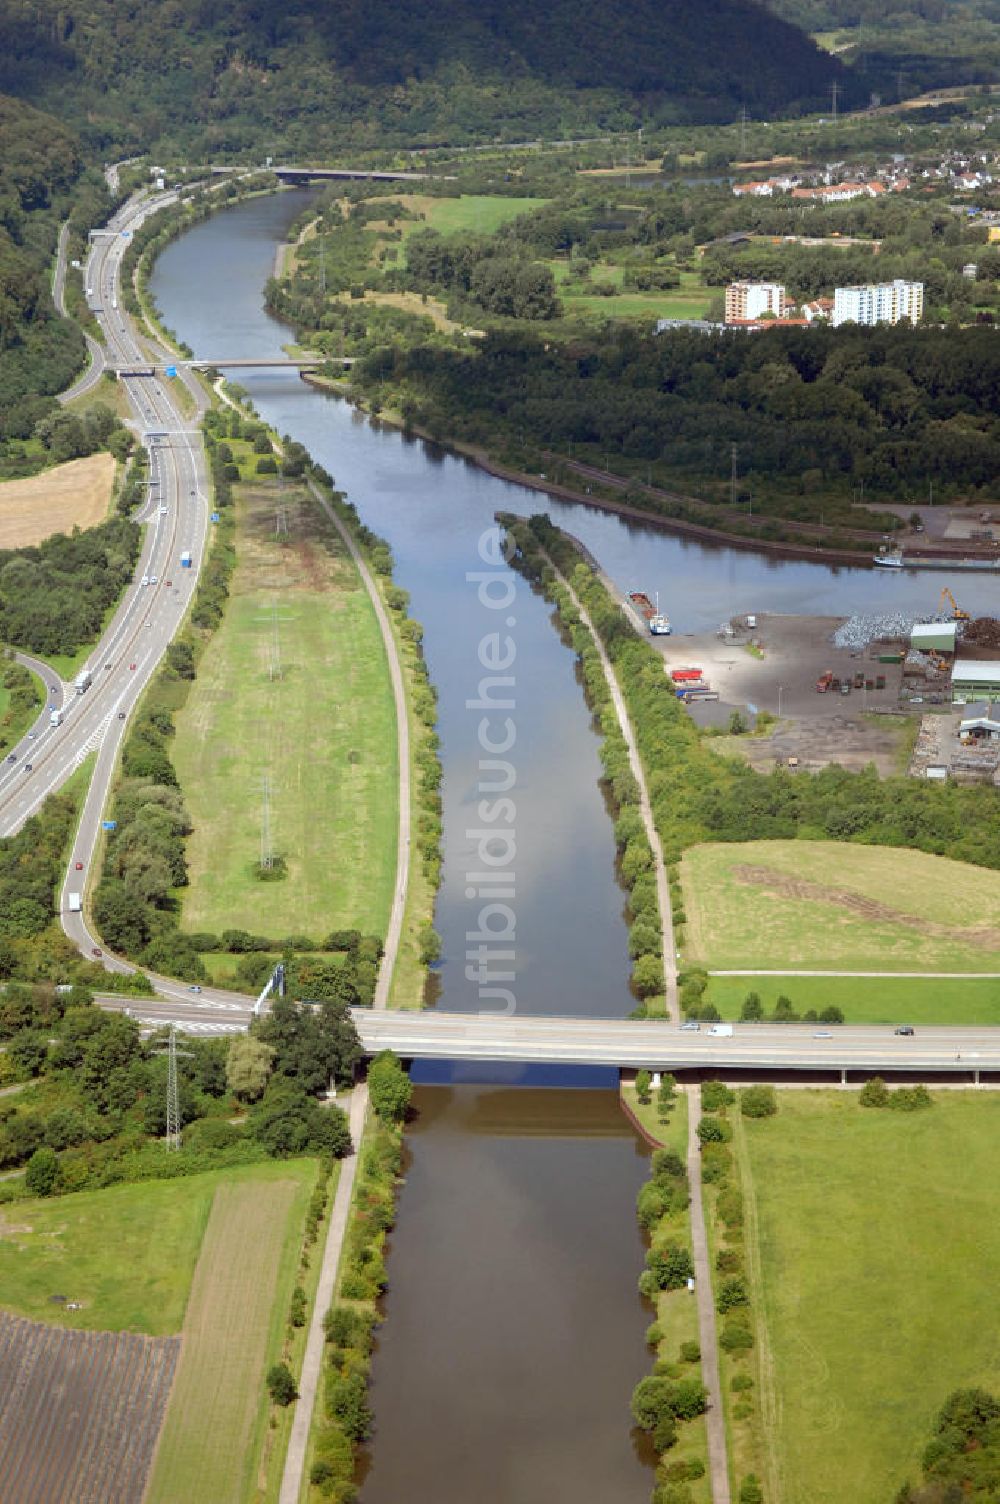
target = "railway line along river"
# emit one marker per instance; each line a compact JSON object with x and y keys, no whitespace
{"x":514,"y":1332}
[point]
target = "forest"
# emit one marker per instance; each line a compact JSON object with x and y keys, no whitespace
{"x":307,"y":76}
{"x":54,"y":597}
{"x":40,"y":353}
{"x":892,"y":407}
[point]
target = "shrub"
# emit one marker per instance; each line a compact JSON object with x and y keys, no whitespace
{"x":736,"y":1339}
{"x":728,"y":1261}
{"x":42,"y":1174}
{"x":715,"y":1095}
{"x":758,"y":1102}
{"x":910,"y":1098}
{"x":690,"y":1352}
{"x":751,"y":1491}
{"x":297,"y":1309}
{"x":712,"y":1131}
{"x":730,"y":1206}
{"x":753,"y":1009}
{"x":740,"y":1383}
{"x":874,"y":1093}
{"x":732,"y":1293}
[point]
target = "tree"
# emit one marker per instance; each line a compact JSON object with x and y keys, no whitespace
{"x":248,"y":1067}
{"x":647,"y":976}
{"x":671,"y":1266}
{"x":42,"y":1173}
{"x":281,"y":1385}
{"x":737,"y":724}
{"x":753,"y":1009}
{"x":28,"y":1051}
{"x":784,"y":1012}
{"x":666,"y":1096}
{"x":389,"y":1087}
{"x":643,"y":1082}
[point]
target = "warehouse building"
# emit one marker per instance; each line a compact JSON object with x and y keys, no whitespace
{"x":975,"y":680}
{"x":933,"y":636}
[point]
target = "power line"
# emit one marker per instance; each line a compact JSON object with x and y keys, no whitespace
{"x":266,"y":853}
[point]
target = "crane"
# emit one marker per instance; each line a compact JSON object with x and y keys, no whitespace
{"x":957,"y":613}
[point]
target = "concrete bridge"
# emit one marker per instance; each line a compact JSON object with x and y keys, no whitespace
{"x":316,"y":174}
{"x":755,"y":1049}
{"x":236,"y":362}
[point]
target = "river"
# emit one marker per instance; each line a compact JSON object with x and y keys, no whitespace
{"x":514,"y":1333}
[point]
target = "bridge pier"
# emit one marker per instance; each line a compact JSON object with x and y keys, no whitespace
{"x":843,"y":1077}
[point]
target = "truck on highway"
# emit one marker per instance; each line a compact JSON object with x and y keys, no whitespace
{"x":83,"y":681}
{"x":75,"y":903}
{"x":56,"y":718}
{"x":722,"y":1031}
{"x":186,"y":559}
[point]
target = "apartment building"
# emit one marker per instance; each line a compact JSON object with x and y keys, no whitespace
{"x":883,"y":303}
{"x":746,"y":301}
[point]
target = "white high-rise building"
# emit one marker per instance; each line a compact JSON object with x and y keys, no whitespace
{"x":750,"y":300}
{"x":879,"y":303}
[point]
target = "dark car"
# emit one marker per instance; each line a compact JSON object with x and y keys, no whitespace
{"x":96,"y":951}
{"x":27,"y":767}
{"x":903,"y":1029}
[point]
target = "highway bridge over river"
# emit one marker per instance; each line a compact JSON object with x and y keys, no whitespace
{"x":845,"y":1052}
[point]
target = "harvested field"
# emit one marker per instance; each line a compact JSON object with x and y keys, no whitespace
{"x":79,"y":1412}
{"x":77,"y":494}
{"x":833,"y":905}
{"x":212,"y":1433}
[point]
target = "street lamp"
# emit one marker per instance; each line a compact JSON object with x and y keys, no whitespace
{"x":780,"y":688}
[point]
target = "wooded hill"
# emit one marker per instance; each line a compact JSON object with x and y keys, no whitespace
{"x":265,"y":76}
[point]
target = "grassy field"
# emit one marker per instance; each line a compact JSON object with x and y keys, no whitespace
{"x":879,"y":1237}
{"x":126,"y":1254}
{"x":322,"y":730}
{"x":689,"y":301}
{"x":77,"y":494}
{"x":215,"y":1419}
{"x":869,"y":1000}
{"x":829,"y":904}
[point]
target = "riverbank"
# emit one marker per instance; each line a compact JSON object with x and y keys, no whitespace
{"x":584,"y":495}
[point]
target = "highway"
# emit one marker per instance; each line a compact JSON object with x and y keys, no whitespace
{"x":176,"y":514}
{"x":663,"y":1046}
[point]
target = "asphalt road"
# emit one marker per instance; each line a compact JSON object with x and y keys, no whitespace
{"x":176,"y":513}
{"x":663,"y":1046}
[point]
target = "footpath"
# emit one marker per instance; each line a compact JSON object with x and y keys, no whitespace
{"x":312,"y":1362}
{"x":646,"y":808}
{"x":715,"y":1418}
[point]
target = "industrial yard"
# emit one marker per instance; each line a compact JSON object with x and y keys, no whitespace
{"x":884,"y":689}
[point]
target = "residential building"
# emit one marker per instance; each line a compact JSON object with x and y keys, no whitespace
{"x":882,"y":303}
{"x":747,"y":301}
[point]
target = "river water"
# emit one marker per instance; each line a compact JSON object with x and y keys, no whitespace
{"x":514,"y":1333}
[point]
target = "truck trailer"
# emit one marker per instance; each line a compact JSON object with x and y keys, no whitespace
{"x":83,"y":681}
{"x":75,"y":903}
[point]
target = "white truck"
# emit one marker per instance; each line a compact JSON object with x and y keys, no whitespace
{"x":83,"y":681}
{"x":75,"y":903}
{"x":56,"y":718}
{"x":722,"y":1031}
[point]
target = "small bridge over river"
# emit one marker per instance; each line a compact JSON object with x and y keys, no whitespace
{"x":350,"y":174}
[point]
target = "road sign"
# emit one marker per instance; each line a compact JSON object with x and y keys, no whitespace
{"x":751,"y":708}
{"x":171,"y":370}
{"x":109,"y":824}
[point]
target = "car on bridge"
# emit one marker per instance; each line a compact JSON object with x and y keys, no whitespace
{"x":903,"y":1029}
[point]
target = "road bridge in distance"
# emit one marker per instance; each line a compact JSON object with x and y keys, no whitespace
{"x":318,"y":174}
{"x":242,"y":362}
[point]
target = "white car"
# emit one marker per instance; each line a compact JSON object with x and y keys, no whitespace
{"x":163,"y":511}
{"x":145,"y":579}
{"x":153,"y":580}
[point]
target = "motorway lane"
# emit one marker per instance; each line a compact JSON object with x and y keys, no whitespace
{"x":656,"y":1045}
{"x":149,"y":615}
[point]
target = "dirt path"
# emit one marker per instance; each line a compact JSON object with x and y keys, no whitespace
{"x":652,"y":835}
{"x":715,"y":1418}
{"x":312,"y":1362}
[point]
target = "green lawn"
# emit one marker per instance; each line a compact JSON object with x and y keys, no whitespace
{"x":879,"y":1240}
{"x":476,"y":213}
{"x":126,"y":1254}
{"x":830,"y":904}
{"x":322,"y":730}
{"x":689,"y":301}
{"x":214,"y":1427}
{"x":869,"y":1000}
